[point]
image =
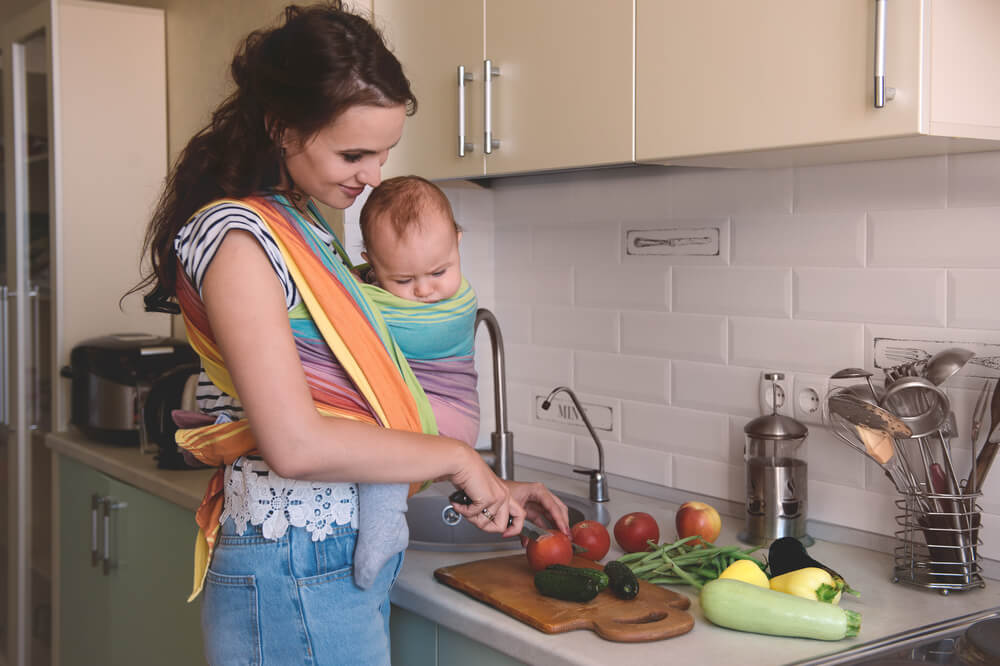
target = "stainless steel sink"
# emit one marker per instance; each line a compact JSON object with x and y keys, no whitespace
{"x":434,"y":525}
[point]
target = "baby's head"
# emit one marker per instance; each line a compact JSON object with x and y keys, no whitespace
{"x":411,"y":240}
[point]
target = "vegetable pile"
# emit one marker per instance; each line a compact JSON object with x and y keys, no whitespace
{"x":686,"y":561}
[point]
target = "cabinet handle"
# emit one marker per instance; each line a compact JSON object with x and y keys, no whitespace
{"x":109,"y":506}
{"x":881,"y":92}
{"x":95,"y":504}
{"x":5,"y":360}
{"x":463,"y":78}
{"x":489,"y":73}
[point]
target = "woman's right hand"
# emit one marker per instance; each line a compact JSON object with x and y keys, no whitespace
{"x":492,"y":503}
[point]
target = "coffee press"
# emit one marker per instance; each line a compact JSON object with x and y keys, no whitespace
{"x":775,"y":477}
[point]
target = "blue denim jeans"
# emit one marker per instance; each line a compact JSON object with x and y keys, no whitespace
{"x":293,"y":601}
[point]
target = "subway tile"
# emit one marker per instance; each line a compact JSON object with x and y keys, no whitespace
{"x":576,"y":328}
{"x":603,"y":411}
{"x":728,"y":389}
{"x":876,"y":481}
{"x":830,"y":239}
{"x":544,"y":443}
{"x":810,"y":346}
{"x":520,"y":400}
{"x":536,"y":285}
{"x":990,"y":529}
{"x":511,"y":251}
{"x":698,"y":192}
{"x":515,"y":323}
{"x":621,"y":287}
{"x":920,"y":182}
{"x":709,"y":477}
{"x":879,"y":338}
{"x":831,"y":460}
{"x":702,"y":241}
{"x":676,"y":430}
{"x":764,"y":292}
{"x":852,"y":507}
{"x":949,"y":237}
{"x":972,"y":298}
{"x":895,"y":296}
{"x":632,"y":377}
{"x":539,"y":365}
{"x":693,"y":337}
{"x":974,"y":179}
{"x":634,"y":462}
{"x":576,"y":245}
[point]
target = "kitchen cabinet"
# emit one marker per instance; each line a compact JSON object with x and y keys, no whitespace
{"x":417,"y":641}
{"x":787,"y":82}
{"x":561,"y":96}
{"x":124,"y":573}
{"x":84,"y":154}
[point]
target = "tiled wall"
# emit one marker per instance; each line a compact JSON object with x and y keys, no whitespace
{"x":813,"y":265}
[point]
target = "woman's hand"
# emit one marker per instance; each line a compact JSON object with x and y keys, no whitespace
{"x":492,"y":500}
{"x":539,"y":503}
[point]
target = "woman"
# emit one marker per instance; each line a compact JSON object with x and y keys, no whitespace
{"x":303,"y":395}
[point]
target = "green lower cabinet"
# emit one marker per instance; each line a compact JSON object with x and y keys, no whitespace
{"x":416,"y":641}
{"x":125,"y":574}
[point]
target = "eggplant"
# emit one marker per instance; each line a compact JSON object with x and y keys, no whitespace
{"x":788,"y":554}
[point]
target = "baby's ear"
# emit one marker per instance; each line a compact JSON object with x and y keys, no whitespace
{"x":364,"y":255}
{"x":459,"y":235}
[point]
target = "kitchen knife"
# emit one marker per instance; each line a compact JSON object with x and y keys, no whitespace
{"x":529,"y":529}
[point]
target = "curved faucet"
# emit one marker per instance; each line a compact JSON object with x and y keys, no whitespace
{"x":501,"y":455}
{"x":598,"y":479}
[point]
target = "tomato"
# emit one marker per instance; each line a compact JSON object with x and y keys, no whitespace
{"x":552,"y":548}
{"x":594,"y":537}
{"x":633,"y":530}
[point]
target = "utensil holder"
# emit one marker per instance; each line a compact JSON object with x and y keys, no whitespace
{"x":938,"y":541}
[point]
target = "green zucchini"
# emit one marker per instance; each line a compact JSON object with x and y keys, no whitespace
{"x":737,"y":605}
{"x":621,"y":580}
{"x":565,"y":585}
{"x":596,"y":575}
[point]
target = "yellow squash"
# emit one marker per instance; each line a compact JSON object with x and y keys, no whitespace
{"x":809,"y":583}
{"x":747,"y":571}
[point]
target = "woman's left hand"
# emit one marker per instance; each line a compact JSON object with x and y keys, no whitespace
{"x":539,"y":503}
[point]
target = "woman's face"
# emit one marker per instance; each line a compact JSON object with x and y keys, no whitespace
{"x":336,"y":164}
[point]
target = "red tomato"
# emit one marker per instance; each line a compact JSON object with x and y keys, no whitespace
{"x":594,"y":537}
{"x":553,"y":548}
{"x":633,"y":530}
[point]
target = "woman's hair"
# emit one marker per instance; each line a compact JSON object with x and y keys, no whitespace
{"x":300,"y":76}
{"x":401,"y":201}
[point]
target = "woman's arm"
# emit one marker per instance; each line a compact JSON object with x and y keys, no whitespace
{"x":247,"y":311}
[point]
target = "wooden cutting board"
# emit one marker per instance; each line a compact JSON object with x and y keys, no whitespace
{"x":508,"y":584}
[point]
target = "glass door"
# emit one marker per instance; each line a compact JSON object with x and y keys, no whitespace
{"x":25,"y":340}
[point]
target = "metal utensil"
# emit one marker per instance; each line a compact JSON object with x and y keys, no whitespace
{"x":528,"y":529}
{"x":920,"y":404}
{"x":946,"y":363}
{"x":854,"y":373}
{"x":978,"y":412}
{"x":861,"y":412}
{"x":981,"y":463}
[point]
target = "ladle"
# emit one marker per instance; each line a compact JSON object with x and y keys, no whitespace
{"x":946,"y":363}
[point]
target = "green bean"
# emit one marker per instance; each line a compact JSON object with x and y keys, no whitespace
{"x":687,"y":561}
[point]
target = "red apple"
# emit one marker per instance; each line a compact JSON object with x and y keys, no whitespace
{"x":698,"y":519}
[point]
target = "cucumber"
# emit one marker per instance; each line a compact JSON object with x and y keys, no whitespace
{"x":745,"y":607}
{"x":596,"y":575}
{"x":565,"y":585}
{"x":621,"y":580}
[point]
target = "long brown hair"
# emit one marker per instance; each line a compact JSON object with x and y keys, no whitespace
{"x":298,"y":76}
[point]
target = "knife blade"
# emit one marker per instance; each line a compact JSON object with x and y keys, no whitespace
{"x":529,"y":529}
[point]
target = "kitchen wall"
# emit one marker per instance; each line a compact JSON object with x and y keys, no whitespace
{"x":810,"y":268}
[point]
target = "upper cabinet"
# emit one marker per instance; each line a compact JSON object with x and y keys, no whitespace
{"x":548,"y":85}
{"x":784,"y":82}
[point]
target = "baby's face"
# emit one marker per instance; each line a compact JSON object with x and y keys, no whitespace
{"x":423,"y":265}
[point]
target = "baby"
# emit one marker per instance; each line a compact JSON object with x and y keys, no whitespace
{"x":414,"y":277}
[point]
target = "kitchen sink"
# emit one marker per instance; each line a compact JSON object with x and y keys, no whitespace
{"x":435,"y":525}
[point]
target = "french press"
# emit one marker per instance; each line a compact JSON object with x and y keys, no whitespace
{"x":776,"y":477}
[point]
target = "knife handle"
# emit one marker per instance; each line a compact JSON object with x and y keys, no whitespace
{"x":460,"y":497}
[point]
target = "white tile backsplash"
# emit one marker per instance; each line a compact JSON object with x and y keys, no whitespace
{"x":877,"y":295}
{"x":816,"y":264}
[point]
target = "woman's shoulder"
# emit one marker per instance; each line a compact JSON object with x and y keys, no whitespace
{"x":218,"y":217}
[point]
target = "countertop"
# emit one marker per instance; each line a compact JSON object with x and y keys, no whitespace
{"x":886,"y":608}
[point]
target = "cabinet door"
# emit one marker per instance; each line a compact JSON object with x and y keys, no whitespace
{"x":719,"y":76}
{"x":432,"y":38}
{"x":153,"y":546}
{"x":564,"y":97}
{"x":85,"y":627}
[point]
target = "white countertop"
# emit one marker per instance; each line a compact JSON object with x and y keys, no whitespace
{"x":886,"y":608}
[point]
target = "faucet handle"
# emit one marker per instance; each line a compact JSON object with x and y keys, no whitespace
{"x":598,"y":484}
{"x":589,"y":472}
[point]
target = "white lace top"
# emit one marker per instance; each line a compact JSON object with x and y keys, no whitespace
{"x":254,"y":494}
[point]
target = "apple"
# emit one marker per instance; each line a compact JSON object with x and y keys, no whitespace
{"x":698,"y":519}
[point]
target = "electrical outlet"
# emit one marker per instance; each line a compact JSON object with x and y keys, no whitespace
{"x":808,"y":394}
{"x":780,"y":392}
